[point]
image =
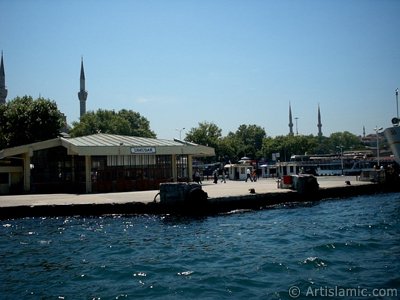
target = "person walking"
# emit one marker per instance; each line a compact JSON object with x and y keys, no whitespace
{"x":254,"y":175}
{"x":248,"y":176}
{"x":223,"y":176}
{"x":215,"y":176}
{"x":197,"y":177}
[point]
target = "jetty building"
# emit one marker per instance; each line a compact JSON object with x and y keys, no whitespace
{"x":97,"y":163}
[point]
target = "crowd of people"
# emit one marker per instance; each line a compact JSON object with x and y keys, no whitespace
{"x":220,"y":175}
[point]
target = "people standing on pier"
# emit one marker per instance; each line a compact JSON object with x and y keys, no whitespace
{"x":254,"y":175}
{"x":197,"y":177}
{"x":223,"y":176}
{"x":215,"y":174}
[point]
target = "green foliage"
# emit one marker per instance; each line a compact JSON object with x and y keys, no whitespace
{"x":249,"y":139}
{"x":206,"y":134}
{"x":344,"y":139}
{"x":246,"y":141}
{"x":228,"y":149}
{"x":289,"y":145}
{"x":24,"y":120}
{"x":252,"y":141}
{"x":124,"y":122}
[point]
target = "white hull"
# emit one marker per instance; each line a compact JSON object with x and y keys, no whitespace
{"x":392,"y":135}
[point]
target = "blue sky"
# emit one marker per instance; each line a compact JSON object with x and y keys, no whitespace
{"x":181,"y":62}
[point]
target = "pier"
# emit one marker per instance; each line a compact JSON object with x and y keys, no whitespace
{"x":222,"y":197}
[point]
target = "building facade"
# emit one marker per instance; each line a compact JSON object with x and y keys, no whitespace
{"x":97,"y":163}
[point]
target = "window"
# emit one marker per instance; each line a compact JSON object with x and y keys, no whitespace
{"x":3,"y":178}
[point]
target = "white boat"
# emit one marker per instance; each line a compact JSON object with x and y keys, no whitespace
{"x":320,"y":166}
{"x":392,"y":135}
{"x":350,"y":167}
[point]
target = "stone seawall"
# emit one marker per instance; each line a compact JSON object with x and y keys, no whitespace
{"x":213,"y":205}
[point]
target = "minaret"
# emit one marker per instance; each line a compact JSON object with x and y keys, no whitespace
{"x":3,"y":90}
{"x":290,"y":120}
{"x":319,"y":123}
{"x":82,"y":95}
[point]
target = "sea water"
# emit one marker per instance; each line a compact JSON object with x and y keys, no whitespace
{"x":339,"y":249}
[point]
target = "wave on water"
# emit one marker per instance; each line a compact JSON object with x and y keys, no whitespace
{"x":246,"y":254}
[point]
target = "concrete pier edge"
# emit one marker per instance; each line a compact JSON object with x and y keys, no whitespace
{"x":214,"y":205}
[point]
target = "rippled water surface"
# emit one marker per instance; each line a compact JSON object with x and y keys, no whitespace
{"x":351,"y":243}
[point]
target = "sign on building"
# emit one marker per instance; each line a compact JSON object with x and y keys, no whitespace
{"x":143,"y":150}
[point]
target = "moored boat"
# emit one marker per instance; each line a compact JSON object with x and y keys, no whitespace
{"x":392,"y":135}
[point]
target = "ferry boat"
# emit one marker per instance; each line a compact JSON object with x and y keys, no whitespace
{"x":392,"y":135}
{"x":348,"y":168}
{"x":320,"y":165}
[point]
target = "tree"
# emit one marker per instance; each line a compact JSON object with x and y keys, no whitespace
{"x":275,"y":145}
{"x":346,"y":140}
{"x":24,"y":120}
{"x":206,"y":134}
{"x":228,"y":149}
{"x":124,"y":122}
{"x":250,"y":139}
{"x":246,"y":141}
{"x":289,"y":145}
{"x":323,"y":145}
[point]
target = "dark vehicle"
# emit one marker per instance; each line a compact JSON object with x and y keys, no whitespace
{"x":210,"y":168}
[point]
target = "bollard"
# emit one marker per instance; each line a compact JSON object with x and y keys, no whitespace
{"x":182,"y":193}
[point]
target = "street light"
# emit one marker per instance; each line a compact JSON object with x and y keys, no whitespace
{"x":397,"y":102}
{"x":180,"y":132}
{"x":341,"y":156}
{"x":377,"y":142}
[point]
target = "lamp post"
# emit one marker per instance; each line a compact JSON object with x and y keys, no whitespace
{"x":180,"y":132}
{"x":397,"y":101}
{"x":341,"y":157}
{"x":377,"y":142}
